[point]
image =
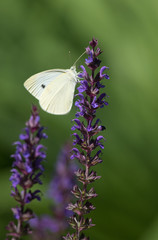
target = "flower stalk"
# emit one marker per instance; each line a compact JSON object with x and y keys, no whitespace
{"x":26,"y":172}
{"x":88,"y":141}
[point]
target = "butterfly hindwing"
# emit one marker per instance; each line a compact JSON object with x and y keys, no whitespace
{"x":57,"y":97}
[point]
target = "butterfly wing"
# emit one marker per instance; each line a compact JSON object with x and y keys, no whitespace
{"x":38,"y":82}
{"x":57,"y":97}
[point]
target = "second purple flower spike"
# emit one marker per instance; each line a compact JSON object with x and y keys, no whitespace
{"x":26,"y":172}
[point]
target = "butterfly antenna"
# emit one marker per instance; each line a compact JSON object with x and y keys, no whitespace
{"x":79,"y":58}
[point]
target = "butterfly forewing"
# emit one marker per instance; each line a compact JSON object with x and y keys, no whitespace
{"x":57,"y":97}
{"x":38,"y":82}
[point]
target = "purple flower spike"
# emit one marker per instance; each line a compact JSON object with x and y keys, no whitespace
{"x":26,"y":172}
{"x":87,"y":139}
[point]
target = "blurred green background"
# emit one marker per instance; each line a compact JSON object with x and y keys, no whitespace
{"x":38,"y":35}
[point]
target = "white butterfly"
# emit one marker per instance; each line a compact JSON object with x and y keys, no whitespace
{"x":54,"y":89}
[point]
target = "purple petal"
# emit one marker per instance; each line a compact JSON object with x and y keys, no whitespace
{"x":26,"y":135}
{"x":99,"y":85}
{"x":83,"y":87}
{"x":101,"y":73}
{"x":101,"y":97}
{"x":83,"y":74}
{"x":94,"y":104}
{"x":38,"y":153}
{"x":15,"y":177}
{"x":99,"y":138}
{"x":88,"y":50}
{"x":17,"y":213}
{"x":77,"y":121}
{"x":28,"y":168}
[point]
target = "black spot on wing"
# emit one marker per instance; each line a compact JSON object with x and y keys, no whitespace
{"x":43,"y":86}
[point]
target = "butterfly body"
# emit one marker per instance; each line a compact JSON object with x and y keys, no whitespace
{"x":54,"y":89}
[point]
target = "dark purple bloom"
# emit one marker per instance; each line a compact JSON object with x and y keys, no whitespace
{"x":32,"y":195}
{"x":93,"y":43}
{"x":44,"y":225}
{"x":90,"y":100}
{"x":63,"y":181}
{"x":26,"y":172}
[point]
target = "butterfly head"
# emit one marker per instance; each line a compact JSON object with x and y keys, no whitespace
{"x":73,"y":68}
